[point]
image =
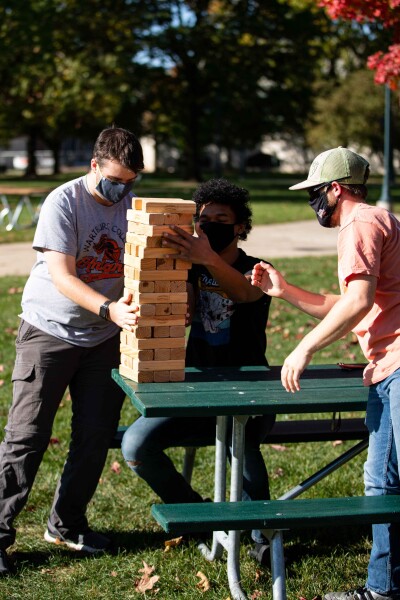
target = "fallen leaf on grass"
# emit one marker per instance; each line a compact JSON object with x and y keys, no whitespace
{"x":204,"y":584}
{"x":147,"y":581}
{"x":278,"y":447}
{"x":1,"y":382}
{"x":256,"y":594}
{"x":114,"y":574}
{"x":279,"y":472}
{"x":116,"y":467}
{"x":54,"y":441}
{"x":15,"y":290}
{"x":1,"y":368}
{"x":172,"y":543}
{"x":337,"y":443}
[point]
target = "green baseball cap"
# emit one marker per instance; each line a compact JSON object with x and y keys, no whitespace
{"x":338,"y":164}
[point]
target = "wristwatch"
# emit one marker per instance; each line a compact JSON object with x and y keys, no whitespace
{"x":104,"y":311}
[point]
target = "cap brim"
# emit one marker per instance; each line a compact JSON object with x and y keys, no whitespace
{"x":308,"y":183}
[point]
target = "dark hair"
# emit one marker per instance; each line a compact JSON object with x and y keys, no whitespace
{"x":358,"y":190}
{"x":120,"y":145}
{"x":221,"y":191}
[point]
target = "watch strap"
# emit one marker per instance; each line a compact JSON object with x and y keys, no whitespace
{"x":104,"y":311}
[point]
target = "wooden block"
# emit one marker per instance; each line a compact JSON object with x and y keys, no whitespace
{"x":149,"y":241}
{"x":177,"y":375}
{"x":162,"y":377}
{"x":171,"y":219}
{"x":142,"y":252}
{"x":162,"y":331}
{"x":163,"y":354}
{"x":145,"y":218}
{"x":158,"y":365}
{"x":179,"y":309}
{"x":139,"y":287}
{"x":136,"y":228}
{"x":177,"y":353}
{"x":163,"y":309}
{"x":142,"y":332}
{"x":177,"y":331}
{"x":160,"y":275}
{"x":164,"y":205}
{"x":144,"y":264}
{"x":147,"y":355}
{"x":160,"y":298}
{"x":147,"y":310}
{"x":135,"y":375}
{"x":181,"y":264}
{"x":164,"y":287}
{"x":178,"y":286}
{"x":127,"y":361}
{"x":130,"y":341}
{"x":170,"y":320}
{"x":165,"y":264}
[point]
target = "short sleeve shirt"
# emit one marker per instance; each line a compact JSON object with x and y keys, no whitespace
{"x":73,"y":223}
{"x":369,"y":244}
{"x":223,"y":332}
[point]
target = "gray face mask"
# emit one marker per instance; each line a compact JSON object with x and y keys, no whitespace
{"x":112,"y":191}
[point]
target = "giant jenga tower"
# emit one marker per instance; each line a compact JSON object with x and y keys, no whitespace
{"x":155,"y":350}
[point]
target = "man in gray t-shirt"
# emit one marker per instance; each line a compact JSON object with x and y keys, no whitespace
{"x":72,"y":311}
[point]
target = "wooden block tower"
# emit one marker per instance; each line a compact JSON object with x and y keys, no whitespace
{"x":155,"y":350}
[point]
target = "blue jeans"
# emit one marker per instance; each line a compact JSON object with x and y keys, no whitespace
{"x":147,"y":438}
{"x":381,"y":476}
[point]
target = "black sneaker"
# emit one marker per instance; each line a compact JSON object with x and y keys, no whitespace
{"x":262,"y":554}
{"x":90,"y":541}
{"x":5,"y":568}
{"x":361,"y":593}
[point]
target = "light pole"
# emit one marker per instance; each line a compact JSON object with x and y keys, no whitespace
{"x":385,"y":199}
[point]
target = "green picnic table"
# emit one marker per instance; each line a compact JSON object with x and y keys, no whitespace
{"x":241,"y":393}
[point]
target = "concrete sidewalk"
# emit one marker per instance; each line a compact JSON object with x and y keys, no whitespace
{"x":301,"y":238}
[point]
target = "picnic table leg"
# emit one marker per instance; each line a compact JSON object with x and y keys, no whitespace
{"x":238,"y":434}
{"x":277,"y":565}
{"x":219,"y":537}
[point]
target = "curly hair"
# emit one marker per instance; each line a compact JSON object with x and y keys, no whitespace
{"x":221,"y":191}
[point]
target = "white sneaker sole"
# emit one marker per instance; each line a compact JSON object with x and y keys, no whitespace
{"x":72,"y":545}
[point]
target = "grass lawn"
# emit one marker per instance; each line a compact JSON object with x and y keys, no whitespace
{"x":271,"y":200}
{"x":317,"y":561}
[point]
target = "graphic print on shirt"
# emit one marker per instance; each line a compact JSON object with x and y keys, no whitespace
{"x":214,"y":312}
{"x":104,"y":262}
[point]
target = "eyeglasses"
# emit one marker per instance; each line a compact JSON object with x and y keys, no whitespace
{"x":315,"y":192}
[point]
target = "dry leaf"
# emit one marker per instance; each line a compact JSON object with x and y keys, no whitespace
{"x":1,"y":382}
{"x":256,"y":594}
{"x":114,"y":574}
{"x":1,"y":368}
{"x":278,"y":447}
{"x":54,"y":441}
{"x":204,"y":584}
{"x":147,"y":581}
{"x":279,"y":472}
{"x":337,"y":443}
{"x":116,"y":467}
{"x":172,"y":543}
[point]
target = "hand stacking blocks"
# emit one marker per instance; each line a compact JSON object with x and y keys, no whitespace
{"x":155,"y":350}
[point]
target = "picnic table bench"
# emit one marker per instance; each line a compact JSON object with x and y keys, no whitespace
{"x":25,"y":193}
{"x":274,"y":516}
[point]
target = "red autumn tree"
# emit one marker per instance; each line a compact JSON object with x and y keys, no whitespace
{"x":385,"y":13}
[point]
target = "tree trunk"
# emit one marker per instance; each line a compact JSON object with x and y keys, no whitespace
{"x":31,"y":169}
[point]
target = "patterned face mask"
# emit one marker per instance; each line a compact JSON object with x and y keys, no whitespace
{"x":112,"y":191}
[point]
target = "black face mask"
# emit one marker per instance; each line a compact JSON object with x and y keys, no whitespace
{"x":322,"y":209}
{"x":220,"y":235}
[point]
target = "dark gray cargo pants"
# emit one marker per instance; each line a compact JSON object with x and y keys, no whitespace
{"x":45,"y":366}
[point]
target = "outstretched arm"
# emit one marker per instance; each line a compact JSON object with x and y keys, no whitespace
{"x":197,"y":249}
{"x":271,"y":282}
{"x":344,"y":316}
